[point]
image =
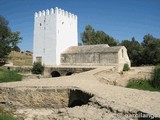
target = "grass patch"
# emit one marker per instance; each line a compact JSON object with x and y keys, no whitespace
{"x":7,"y":115}
{"x":141,"y":84}
{"x":9,"y":76}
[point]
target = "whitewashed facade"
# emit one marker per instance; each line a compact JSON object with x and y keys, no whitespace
{"x":54,"y":31}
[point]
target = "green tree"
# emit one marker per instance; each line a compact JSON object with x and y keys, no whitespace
{"x":151,"y":50}
{"x":88,"y":36}
{"x":134,"y":50}
{"x":8,"y":39}
{"x":16,"y":48}
{"x":92,"y":37}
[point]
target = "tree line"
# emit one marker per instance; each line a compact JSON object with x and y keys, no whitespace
{"x":145,"y":53}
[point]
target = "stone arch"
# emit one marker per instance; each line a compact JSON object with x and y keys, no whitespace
{"x":69,"y":73}
{"x":55,"y":74}
{"x":78,"y":98}
{"x":77,"y":102}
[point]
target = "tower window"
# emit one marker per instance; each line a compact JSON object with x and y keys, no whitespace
{"x":40,"y":24}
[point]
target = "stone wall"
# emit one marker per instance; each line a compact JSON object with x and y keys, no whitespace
{"x":46,"y":97}
{"x":34,"y":97}
{"x":89,"y":59}
{"x":96,"y":55}
{"x":63,"y":71}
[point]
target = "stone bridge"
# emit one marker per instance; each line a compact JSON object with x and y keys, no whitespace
{"x":57,"y":71}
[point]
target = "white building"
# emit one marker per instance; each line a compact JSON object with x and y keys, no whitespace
{"x":54,"y":31}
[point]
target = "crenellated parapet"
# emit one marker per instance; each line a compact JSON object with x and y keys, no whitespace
{"x":56,"y":10}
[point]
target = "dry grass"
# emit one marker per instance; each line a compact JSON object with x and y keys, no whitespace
{"x":20,"y":59}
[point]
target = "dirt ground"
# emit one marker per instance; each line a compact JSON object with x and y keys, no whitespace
{"x":110,"y":97}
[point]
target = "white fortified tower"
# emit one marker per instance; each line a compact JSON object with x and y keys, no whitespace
{"x":54,"y":31}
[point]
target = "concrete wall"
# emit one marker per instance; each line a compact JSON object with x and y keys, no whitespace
{"x":54,"y":31}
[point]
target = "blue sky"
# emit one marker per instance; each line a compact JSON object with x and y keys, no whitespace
{"x":121,"y":19}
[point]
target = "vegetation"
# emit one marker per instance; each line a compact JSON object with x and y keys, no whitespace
{"x":156,"y":77}
{"x":20,"y":59}
{"x":7,"y":115}
{"x":141,"y":84}
{"x":145,"y":53}
{"x":9,"y":76}
{"x":125,"y":67}
{"x":8,"y":39}
{"x":92,"y":37}
{"x":38,"y":68}
{"x":134,"y":51}
{"x":152,"y":85}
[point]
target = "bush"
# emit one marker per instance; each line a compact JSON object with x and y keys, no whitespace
{"x":125,"y":67}
{"x":156,"y":77}
{"x":38,"y":68}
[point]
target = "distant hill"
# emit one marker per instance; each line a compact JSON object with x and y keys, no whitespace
{"x":20,"y":58}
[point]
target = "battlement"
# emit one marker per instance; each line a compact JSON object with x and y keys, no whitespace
{"x":55,"y":11}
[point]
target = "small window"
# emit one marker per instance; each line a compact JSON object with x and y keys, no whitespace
{"x":39,"y":59}
{"x":40,"y":24}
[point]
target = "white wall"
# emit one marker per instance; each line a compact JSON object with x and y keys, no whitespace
{"x":38,"y":44}
{"x":54,"y":31}
{"x":50,"y":39}
{"x":123,"y":58}
{"x":67,"y":34}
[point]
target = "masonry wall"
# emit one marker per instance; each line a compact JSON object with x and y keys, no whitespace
{"x":54,"y":31}
{"x":113,"y":58}
{"x":90,"y":59}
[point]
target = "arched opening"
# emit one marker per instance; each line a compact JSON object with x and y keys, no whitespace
{"x":69,"y":73}
{"x":55,"y":74}
{"x":77,"y":103}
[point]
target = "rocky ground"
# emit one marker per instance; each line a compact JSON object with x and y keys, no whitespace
{"x":85,"y":112}
{"x":109,"y":101}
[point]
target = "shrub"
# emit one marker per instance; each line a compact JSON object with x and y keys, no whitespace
{"x":125,"y":67}
{"x":156,"y":77}
{"x":38,"y":68}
